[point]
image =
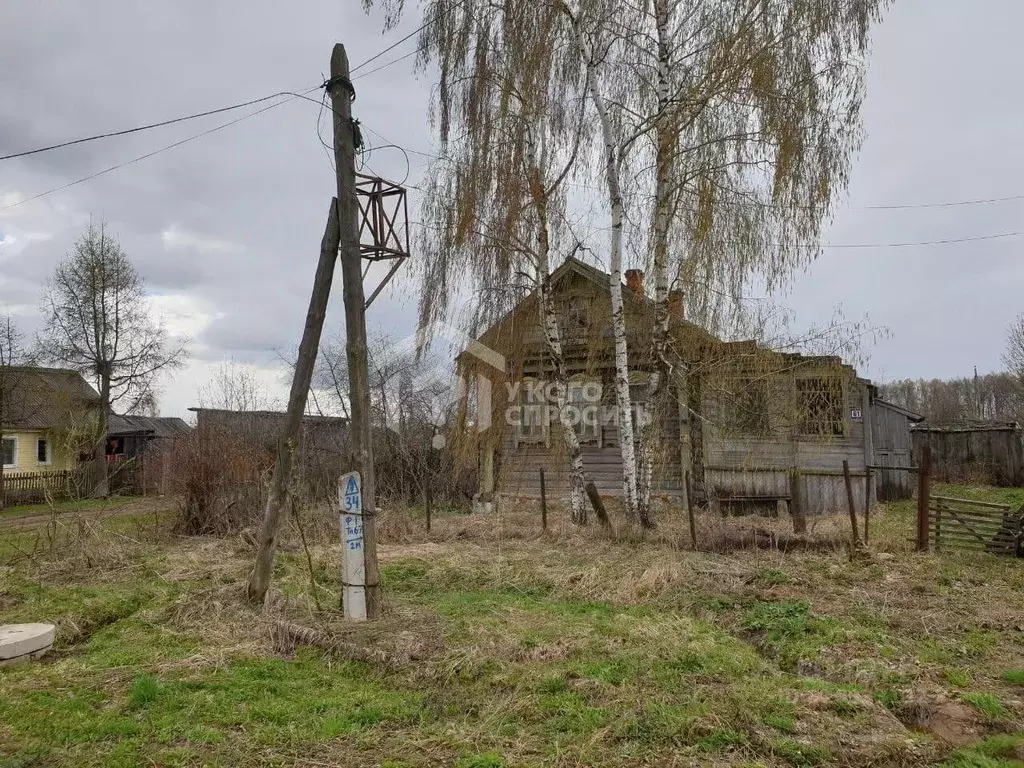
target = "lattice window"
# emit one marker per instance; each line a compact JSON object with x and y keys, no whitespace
{"x":820,"y":401}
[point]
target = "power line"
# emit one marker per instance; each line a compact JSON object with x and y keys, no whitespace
{"x":147,"y":127}
{"x":392,"y":47}
{"x":388,"y":64}
{"x":186,"y":140}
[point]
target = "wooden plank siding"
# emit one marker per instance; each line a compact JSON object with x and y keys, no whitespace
{"x":750,"y":456}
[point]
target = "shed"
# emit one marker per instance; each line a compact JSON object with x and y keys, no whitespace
{"x":973,"y":451}
{"x":892,"y":447}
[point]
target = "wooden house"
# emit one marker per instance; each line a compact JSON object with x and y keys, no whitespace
{"x":43,"y":414}
{"x":750,"y":426}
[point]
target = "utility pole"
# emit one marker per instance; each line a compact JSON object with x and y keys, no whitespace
{"x":342,"y":94}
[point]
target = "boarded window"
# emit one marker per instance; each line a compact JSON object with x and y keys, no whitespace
{"x":743,"y":406}
{"x":585,"y":404}
{"x":574,"y":318}
{"x":9,"y":451}
{"x":820,"y":401}
{"x":533,"y":413}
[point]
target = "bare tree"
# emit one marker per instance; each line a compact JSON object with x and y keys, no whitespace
{"x":98,"y":321}
{"x":234,"y":387}
{"x":1013,"y":357}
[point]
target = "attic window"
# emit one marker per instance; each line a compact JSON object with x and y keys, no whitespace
{"x":9,"y":452}
{"x":574,"y":318}
{"x":820,"y":401}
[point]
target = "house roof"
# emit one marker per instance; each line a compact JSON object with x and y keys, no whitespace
{"x":968,"y":425}
{"x":45,"y":398}
{"x":306,"y":418}
{"x":152,"y":426}
{"x":915,"y":417}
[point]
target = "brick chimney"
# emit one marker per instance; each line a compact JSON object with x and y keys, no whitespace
{"x":676,"y":308}
{"x":635,"y":280}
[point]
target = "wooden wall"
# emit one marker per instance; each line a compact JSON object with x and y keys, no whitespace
{"x":973,"y":455}
{"x":892,"y":448}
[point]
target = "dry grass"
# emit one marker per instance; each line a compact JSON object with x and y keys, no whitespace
{"x":509,"y":645}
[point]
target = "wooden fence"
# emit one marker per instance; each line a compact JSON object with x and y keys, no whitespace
{"x":36,"y":487}
{"x":975,"y":525}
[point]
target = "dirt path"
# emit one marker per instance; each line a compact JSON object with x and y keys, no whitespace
{"x":116,"y":509}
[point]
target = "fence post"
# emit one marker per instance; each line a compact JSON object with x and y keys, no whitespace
{"x":796,"y":501}
{"x":689,"y":509}
{"x":924,"y":489}
{"x":855,"y":539}
{"x":868,"y":477}
{"x":543,"y":502}
{"x":428,"y":494}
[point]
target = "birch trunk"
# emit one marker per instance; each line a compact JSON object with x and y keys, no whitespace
{"x":552,"y":335}
{"x":661,"y":369}
{"x":622,"y":399}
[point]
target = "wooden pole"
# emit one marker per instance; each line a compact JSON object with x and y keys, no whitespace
{"x":796,"y":501}
{"x":855,"y":538}
{"x":923,"y":497}
{"x":340,"y":89}
{"x":868,"y":477}
{"x":277,"y":500}
{"x":543,"y":502}
{"x":689,"y":508}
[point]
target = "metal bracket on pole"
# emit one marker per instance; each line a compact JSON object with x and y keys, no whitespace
{"x":383,"y":224}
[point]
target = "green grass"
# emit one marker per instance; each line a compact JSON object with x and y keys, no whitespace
{"x":1014,"y":676}
{"x":61,"y":507}
{"x":988,"y":705}
{"x":540,"y":653}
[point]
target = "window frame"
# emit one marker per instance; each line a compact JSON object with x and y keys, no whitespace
{"x":48,"y":452}
{"x":14,"y":451}
{"x":803,"y":416}
{"x":743,"y":407}
{"x":525,"y":386}
{"x":587,"y":434}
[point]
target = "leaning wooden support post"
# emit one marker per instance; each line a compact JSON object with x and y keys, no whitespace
{"x":543,"y":502}
{"x":923,"y":497}
{"x":689,"y":508}
{"x":597,"y":504}
{"x":854,"y":536}
{"x":428,"y":498}
{"x":796,"y":501}
{"x":277,"y":500}
{"x":867,"y":501}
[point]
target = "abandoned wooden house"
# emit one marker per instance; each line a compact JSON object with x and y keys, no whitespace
{"x":752,"y":427}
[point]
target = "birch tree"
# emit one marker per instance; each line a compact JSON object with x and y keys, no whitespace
{"x":729,"y":125}
{"x":512,"y":125}
{"x":753,"y":110}
{"x":98,"y":322}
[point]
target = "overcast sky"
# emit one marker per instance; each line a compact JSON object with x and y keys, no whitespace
{"x":226,"y":228}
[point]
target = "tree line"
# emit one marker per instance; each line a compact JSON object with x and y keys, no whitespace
{"x":992,"y":396}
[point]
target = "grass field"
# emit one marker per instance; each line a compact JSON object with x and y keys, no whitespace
{"x":509,"y":647}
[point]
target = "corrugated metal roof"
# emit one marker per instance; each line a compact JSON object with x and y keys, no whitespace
{"x":156,"y":426}
{"x":46,"y":398}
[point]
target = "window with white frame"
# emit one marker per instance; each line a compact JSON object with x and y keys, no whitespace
{"x":44,"y":452}
{"x":532,"y":426}
{"x":9,"y":452}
